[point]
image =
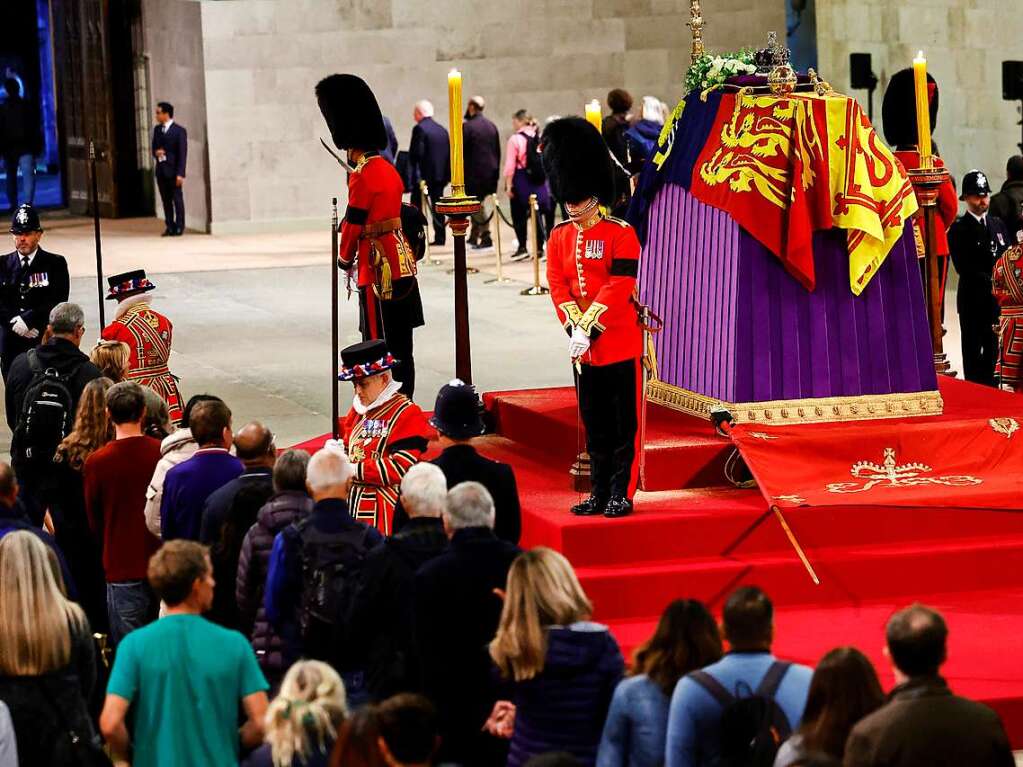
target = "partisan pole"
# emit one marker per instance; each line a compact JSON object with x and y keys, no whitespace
{"x":95,"y":228}
{"x":335,"y":406}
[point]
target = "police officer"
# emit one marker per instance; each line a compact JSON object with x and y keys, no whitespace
{"x":976,"y":240}
{"x":32,"y":282}
{"x":592,"y":263}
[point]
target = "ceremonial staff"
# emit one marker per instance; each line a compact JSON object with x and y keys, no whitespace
{"x":95,"y":228}
{"x":335,"y":406}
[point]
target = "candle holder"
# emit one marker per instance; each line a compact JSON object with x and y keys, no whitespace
{"x":458,"y":208}
{"x":926,"y":183}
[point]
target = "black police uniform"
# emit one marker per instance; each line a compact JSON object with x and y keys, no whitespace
{"x":975,"y":246}
{"x":29,"y":292}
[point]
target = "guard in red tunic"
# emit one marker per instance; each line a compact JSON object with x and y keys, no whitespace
{"x":384,"y":434}
{"x":592,"y":262}
{"x":1007,"y":285}
{"x":372,"y":239}
{"x":147,"y":333}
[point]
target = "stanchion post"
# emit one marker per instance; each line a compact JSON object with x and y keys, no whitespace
{"x":335,"y":409}
{"x":96,"y":233}
{"x":459,"y":208}
{"x":425,"y":205}
{"x":496,"y":218}
{"x":537,"y":289}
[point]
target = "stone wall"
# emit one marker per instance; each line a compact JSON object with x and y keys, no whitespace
{"x":965,"y":42}
{"x":263,"y":57}
{"x":173,"y":44}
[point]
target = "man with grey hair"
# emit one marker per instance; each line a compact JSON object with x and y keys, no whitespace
{"x":51,"y":368}
{"x":313,"y":568}
{"x":429,"y":159}
{"x":381,"y":617}
{"x":457,"y":608}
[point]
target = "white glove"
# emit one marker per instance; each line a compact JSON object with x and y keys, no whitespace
{"x":19,"y":326}
{"x":335,"y":445}
{"x":579,"y":343}
{"x":33,"y":333}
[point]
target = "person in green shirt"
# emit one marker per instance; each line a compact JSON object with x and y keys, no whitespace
{"x":180,"y":679}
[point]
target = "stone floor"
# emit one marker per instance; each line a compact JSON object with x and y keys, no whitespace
{"x":252,"y":317}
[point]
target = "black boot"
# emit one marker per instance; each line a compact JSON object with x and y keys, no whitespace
{"x":618,"y":506}
{"x":591,"y":507}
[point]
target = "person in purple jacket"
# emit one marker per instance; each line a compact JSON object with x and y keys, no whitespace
{"x":562,"y":668}
{"x":170,"y":148}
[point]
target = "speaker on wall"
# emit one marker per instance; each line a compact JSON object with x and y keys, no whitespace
{"x":1012,"y":80}
{"x":861,"y":72}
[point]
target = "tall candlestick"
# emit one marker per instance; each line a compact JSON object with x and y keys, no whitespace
{"x":923,"y":110}
{"x":455,"y":126}
{"x":593,"y":114}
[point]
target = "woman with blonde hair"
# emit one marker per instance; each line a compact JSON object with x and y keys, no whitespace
{"x":113,"y":358}
{"x":63,"y":495}
{"x":47,"y":658}
{"x":563,"y":668}
{"x":302,"y":722}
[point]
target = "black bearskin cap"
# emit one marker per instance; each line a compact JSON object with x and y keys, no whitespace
{"x":352,"y":113}
{"x":577,"y":161}
{"x":898,"y":111}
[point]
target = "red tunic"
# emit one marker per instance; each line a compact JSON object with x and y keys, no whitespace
{"x":374,"y":197}
{"x":148,"y":335}
{"x":1007,"y":285}
{"x":592,"y":277}
{"x":383,"y":444}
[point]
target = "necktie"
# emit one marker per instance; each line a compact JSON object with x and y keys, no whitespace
{"x":24,"y":263}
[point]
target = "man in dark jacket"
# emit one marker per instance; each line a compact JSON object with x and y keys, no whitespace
{"x":481,"y":143}
{"x":975,"y":241}
{"x":429,"y":157}
{"x":32,"y":282}
{"x":1008,"y":203}
{"x":923,"y":722}
{"x":254,"y":446}
{"x":290,"y":503}
{"x":381,"y":616}
{"x":456,"y":417}
{"x":457,"y":609}
{"x":170,"y":148}
{"x":21,"y":139}
{"x":67,"y":325}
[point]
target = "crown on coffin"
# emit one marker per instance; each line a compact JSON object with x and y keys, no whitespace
{"x":774,"y":55}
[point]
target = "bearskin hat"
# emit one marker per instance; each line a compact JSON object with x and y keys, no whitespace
{"x":352,"y":113}
{"x":577,"y":161}
{"x":898,"y":111}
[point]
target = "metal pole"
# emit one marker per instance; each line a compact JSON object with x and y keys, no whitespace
{"x":537,"y":289}
{"x":335,"y":405}
{"x":96,"y":233}
{"x":496,"y":216}
{"x":463,"y":358}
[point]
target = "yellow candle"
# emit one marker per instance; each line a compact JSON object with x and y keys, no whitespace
{"x":593,"y":114}
{"x":455,"y":125}
{"x":923,"y":111}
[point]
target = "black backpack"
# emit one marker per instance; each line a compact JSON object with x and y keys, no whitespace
{"x":753,"y":726}
{"x":47,"y":413}
{"x":534,"y":159}
{"x":331,"y":564}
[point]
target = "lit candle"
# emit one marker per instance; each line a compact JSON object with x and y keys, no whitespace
{"x":923,"y":110}
{"x":593,"y":114}
{"x":455,"y":125}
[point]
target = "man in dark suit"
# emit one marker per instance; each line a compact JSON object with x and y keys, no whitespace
{"x":170,"y":148}
{"x":456,"y":609}
{"x":429,"y":157}
{"x":976,"y":240}
{"x":21,"y":139}
{"x":456,"y":417}
{"x":923,"y":722}
{"x":482,"y":146}
{"x":32,"y":282}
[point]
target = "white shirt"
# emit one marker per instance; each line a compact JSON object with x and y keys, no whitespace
{"x":167,"y":125}
{"x":31,"y":257}
{"x":980,"y":219}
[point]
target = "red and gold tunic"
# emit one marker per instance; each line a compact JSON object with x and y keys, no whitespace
{"x":371,"y":231}
{"x":1007,"y":285}
{"x":148,"y":334}
{"x":384,"y":443}
{"x":591,"y":271}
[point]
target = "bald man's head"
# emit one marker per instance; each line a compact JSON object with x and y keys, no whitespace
{"x":254,"y":444}
{"x":8,"y":485}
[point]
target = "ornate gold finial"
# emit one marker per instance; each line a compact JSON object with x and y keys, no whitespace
{"x":822,"y":87}
{"x":696,"y":25}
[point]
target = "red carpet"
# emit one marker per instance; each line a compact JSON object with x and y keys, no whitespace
{"x":692,"y":536}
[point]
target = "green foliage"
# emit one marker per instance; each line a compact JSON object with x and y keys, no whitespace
{"x":712,"y":70}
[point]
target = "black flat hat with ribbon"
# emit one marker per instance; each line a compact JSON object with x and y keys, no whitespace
{"x":128,"y":284}
{"x":456,"y":414}
{"x":364,"y":359}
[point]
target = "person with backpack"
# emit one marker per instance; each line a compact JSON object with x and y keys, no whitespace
{"x":314,"y":565}
{"x":739,"y":710}
{"x":524,"y":175}
{"x":43,"y":388}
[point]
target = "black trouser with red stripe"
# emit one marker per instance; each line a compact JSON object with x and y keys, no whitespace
{"x":394,"y":321}
{"x":610,"y":397}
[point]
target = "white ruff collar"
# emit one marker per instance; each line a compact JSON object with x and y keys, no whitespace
{"x":385,"y":396}
{"x":129,"y":302}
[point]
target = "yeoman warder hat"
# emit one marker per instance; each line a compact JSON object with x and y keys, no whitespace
{"x":128,"y":284}
{"x":364,"y":359}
